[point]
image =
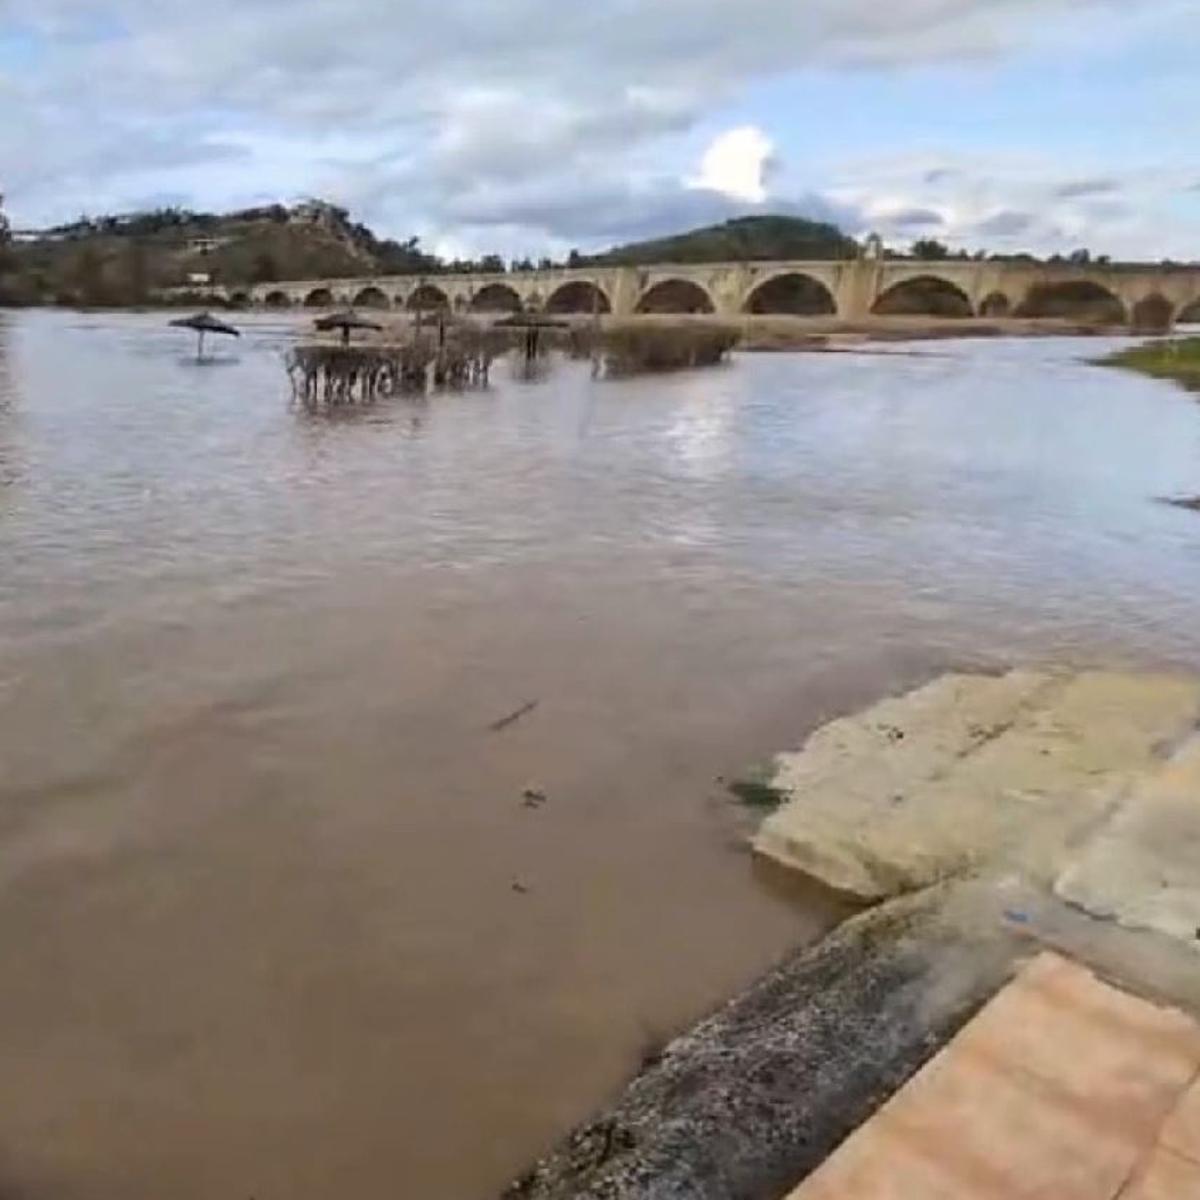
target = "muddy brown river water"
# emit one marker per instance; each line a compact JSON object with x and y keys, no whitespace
{"x":274,"y":918}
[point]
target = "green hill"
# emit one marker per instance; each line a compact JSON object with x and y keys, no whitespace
{"x":121,"y":260}
{"x":741,"y":239}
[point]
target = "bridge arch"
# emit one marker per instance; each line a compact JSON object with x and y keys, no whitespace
{"x":1189,"y":314}
{"x":496,"y":297}
{"x":1153,"y":314}
{"x":428,"y":298}
{"x":277,"y":299}
{"x":923,"y":295}
{"x":1077,"y":299}
{"x":792,"y":293}
{"x":371,"y":297}
{"x":320,"y":297}
{"x":675,"y":296}
{"x":995,"y":304}
{"x":239,"y":299}
{"x":578,"y":296}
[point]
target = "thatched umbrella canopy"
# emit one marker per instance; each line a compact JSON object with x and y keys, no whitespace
{"x":204,"y":323}
{"x":533,"y":324}
{"x":345,"y":321}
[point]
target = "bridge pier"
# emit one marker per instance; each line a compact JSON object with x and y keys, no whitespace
{"x":859,"y":286}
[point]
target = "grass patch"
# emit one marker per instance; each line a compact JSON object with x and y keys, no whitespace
{"x":756,"y":790}
{"x":1191,"y":503}
{"x":1176,"y":358}
{"x":643,"y":346}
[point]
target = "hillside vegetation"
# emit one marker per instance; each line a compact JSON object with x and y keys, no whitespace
{"x":125,"y":260}
{"x":122,"y":260}
{"x":1175,"y":358}
{"x":739,"y":240}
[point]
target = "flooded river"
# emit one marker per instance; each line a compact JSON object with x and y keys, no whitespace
{"x":275,"y":919}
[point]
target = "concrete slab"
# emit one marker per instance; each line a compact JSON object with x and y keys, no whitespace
{"x":1142,"y":869}
{"x":1006,"y":1111}
{"x":969,"y":772}
{"x":853,"y":771}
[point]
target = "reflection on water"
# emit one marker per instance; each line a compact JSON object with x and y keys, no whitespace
{"x":257,"y":839}
{"x":8,"y":408}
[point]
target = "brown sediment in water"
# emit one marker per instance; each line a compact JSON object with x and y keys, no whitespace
{"x":259,"y":842}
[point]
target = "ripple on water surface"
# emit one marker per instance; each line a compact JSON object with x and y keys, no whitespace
{"x":276,"y":918}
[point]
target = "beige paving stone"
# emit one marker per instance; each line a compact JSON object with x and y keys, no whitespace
{"x":1058,"y":1090}
{"x":1124,"y":1061}
{"x":1165,"y":1176}
{"x":1182,"y":1130}
{"x":876,"y":1164}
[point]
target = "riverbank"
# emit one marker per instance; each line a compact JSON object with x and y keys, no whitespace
{"x":758,"y":334}
{"x":779,"y":333}
{"x":767,"y":334}
{"x":753,"y":334}
{"x":988,"y":819}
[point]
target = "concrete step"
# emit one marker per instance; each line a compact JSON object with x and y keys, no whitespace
{"x":970,"y":771}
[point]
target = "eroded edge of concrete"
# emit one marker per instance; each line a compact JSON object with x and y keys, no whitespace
{"x":757,"y":1096}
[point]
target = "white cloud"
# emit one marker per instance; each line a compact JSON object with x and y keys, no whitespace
{"x":542,"y":121}
{"x":1011,"y":202}
{"x":736,"y":164}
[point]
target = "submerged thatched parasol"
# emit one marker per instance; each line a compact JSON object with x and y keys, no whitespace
{"x":345,"y":321}
{"x":204,"y":323}
{"x":531,"y":321}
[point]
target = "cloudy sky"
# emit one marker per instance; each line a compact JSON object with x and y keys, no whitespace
{"x":536,"y":125}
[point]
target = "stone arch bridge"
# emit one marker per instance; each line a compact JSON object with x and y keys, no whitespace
{"x":1144,"y":296}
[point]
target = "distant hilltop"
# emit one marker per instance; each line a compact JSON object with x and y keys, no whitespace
{"x":123,"y":259}
{"x":743,"y":239}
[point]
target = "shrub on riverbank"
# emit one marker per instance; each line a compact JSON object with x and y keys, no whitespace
{"x":645,"y":346}
{"x":1175,"y":358}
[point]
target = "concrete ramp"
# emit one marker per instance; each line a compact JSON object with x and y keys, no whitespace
{"x":1142,"y":869}
{"x":971,"y":772}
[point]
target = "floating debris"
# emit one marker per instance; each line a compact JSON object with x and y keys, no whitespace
{"x":513,"y":717}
